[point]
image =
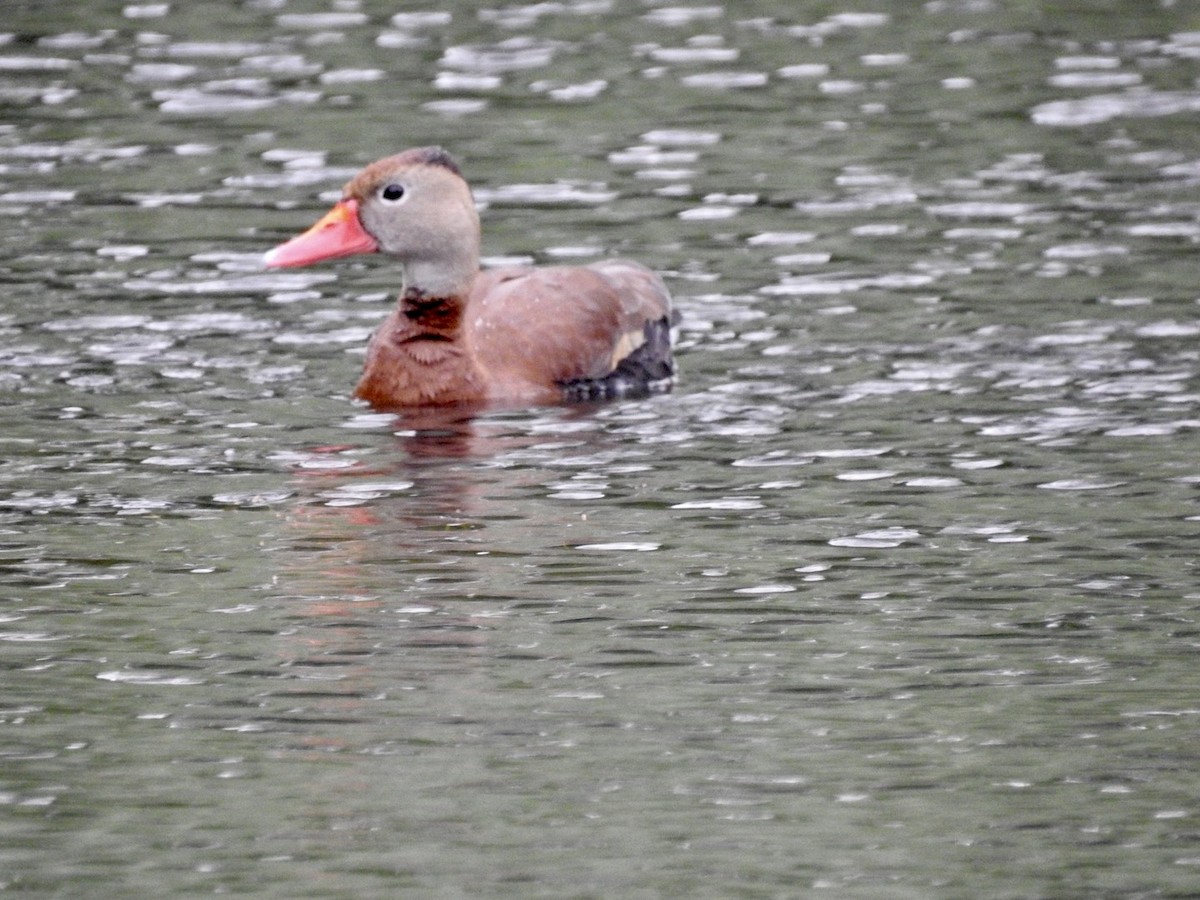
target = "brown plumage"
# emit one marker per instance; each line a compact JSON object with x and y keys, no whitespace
{"x":461,"y":335}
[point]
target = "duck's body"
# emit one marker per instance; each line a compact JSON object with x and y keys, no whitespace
{"x":462,"y":335}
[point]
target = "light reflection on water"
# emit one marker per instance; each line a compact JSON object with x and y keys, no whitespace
{"x":894,"y":596}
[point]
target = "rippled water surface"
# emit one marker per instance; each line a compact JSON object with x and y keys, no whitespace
{"x":895,"y":596}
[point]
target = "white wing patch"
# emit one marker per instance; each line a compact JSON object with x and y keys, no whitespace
{"x":628,"y":343}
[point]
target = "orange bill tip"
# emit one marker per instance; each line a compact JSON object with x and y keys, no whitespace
{"x":338,"y":233}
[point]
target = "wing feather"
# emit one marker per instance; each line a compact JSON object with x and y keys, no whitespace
{"x":562,"y":324}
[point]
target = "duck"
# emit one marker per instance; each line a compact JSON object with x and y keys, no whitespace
{"x":459,"y":334}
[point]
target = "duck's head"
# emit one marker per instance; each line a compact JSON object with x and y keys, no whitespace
{"x":415,"y":206}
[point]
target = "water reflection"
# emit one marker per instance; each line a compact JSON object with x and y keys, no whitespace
{"x":897,"y":588}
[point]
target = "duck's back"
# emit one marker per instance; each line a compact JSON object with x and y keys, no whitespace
{"x":582,"y":332}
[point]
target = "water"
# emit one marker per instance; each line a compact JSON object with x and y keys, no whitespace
{"x":894,"y":596}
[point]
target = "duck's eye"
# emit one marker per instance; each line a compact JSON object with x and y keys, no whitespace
{"x":392,"y":193}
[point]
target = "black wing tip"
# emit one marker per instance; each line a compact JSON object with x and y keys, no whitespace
{"x":649,"y":369}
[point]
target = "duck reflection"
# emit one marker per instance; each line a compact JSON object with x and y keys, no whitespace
{"x":428,"y":542}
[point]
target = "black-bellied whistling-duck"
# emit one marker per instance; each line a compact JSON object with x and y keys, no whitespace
{"x":462,"y":335}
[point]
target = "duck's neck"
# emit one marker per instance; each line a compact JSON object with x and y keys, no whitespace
{"x":434,"y":298}
{"x":446,"y":275}
{"x":419,"y":354}
{"x":430,"y":315}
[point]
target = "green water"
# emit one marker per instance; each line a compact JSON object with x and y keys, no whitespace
{"x":894,"y":596}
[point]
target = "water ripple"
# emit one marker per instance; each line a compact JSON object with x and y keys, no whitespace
{"x":933,"y":440}
{"x":1105,"y":107}
{"x":513,"y":54}
{"x":164,"y":283}
{"x":550,"y":194}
